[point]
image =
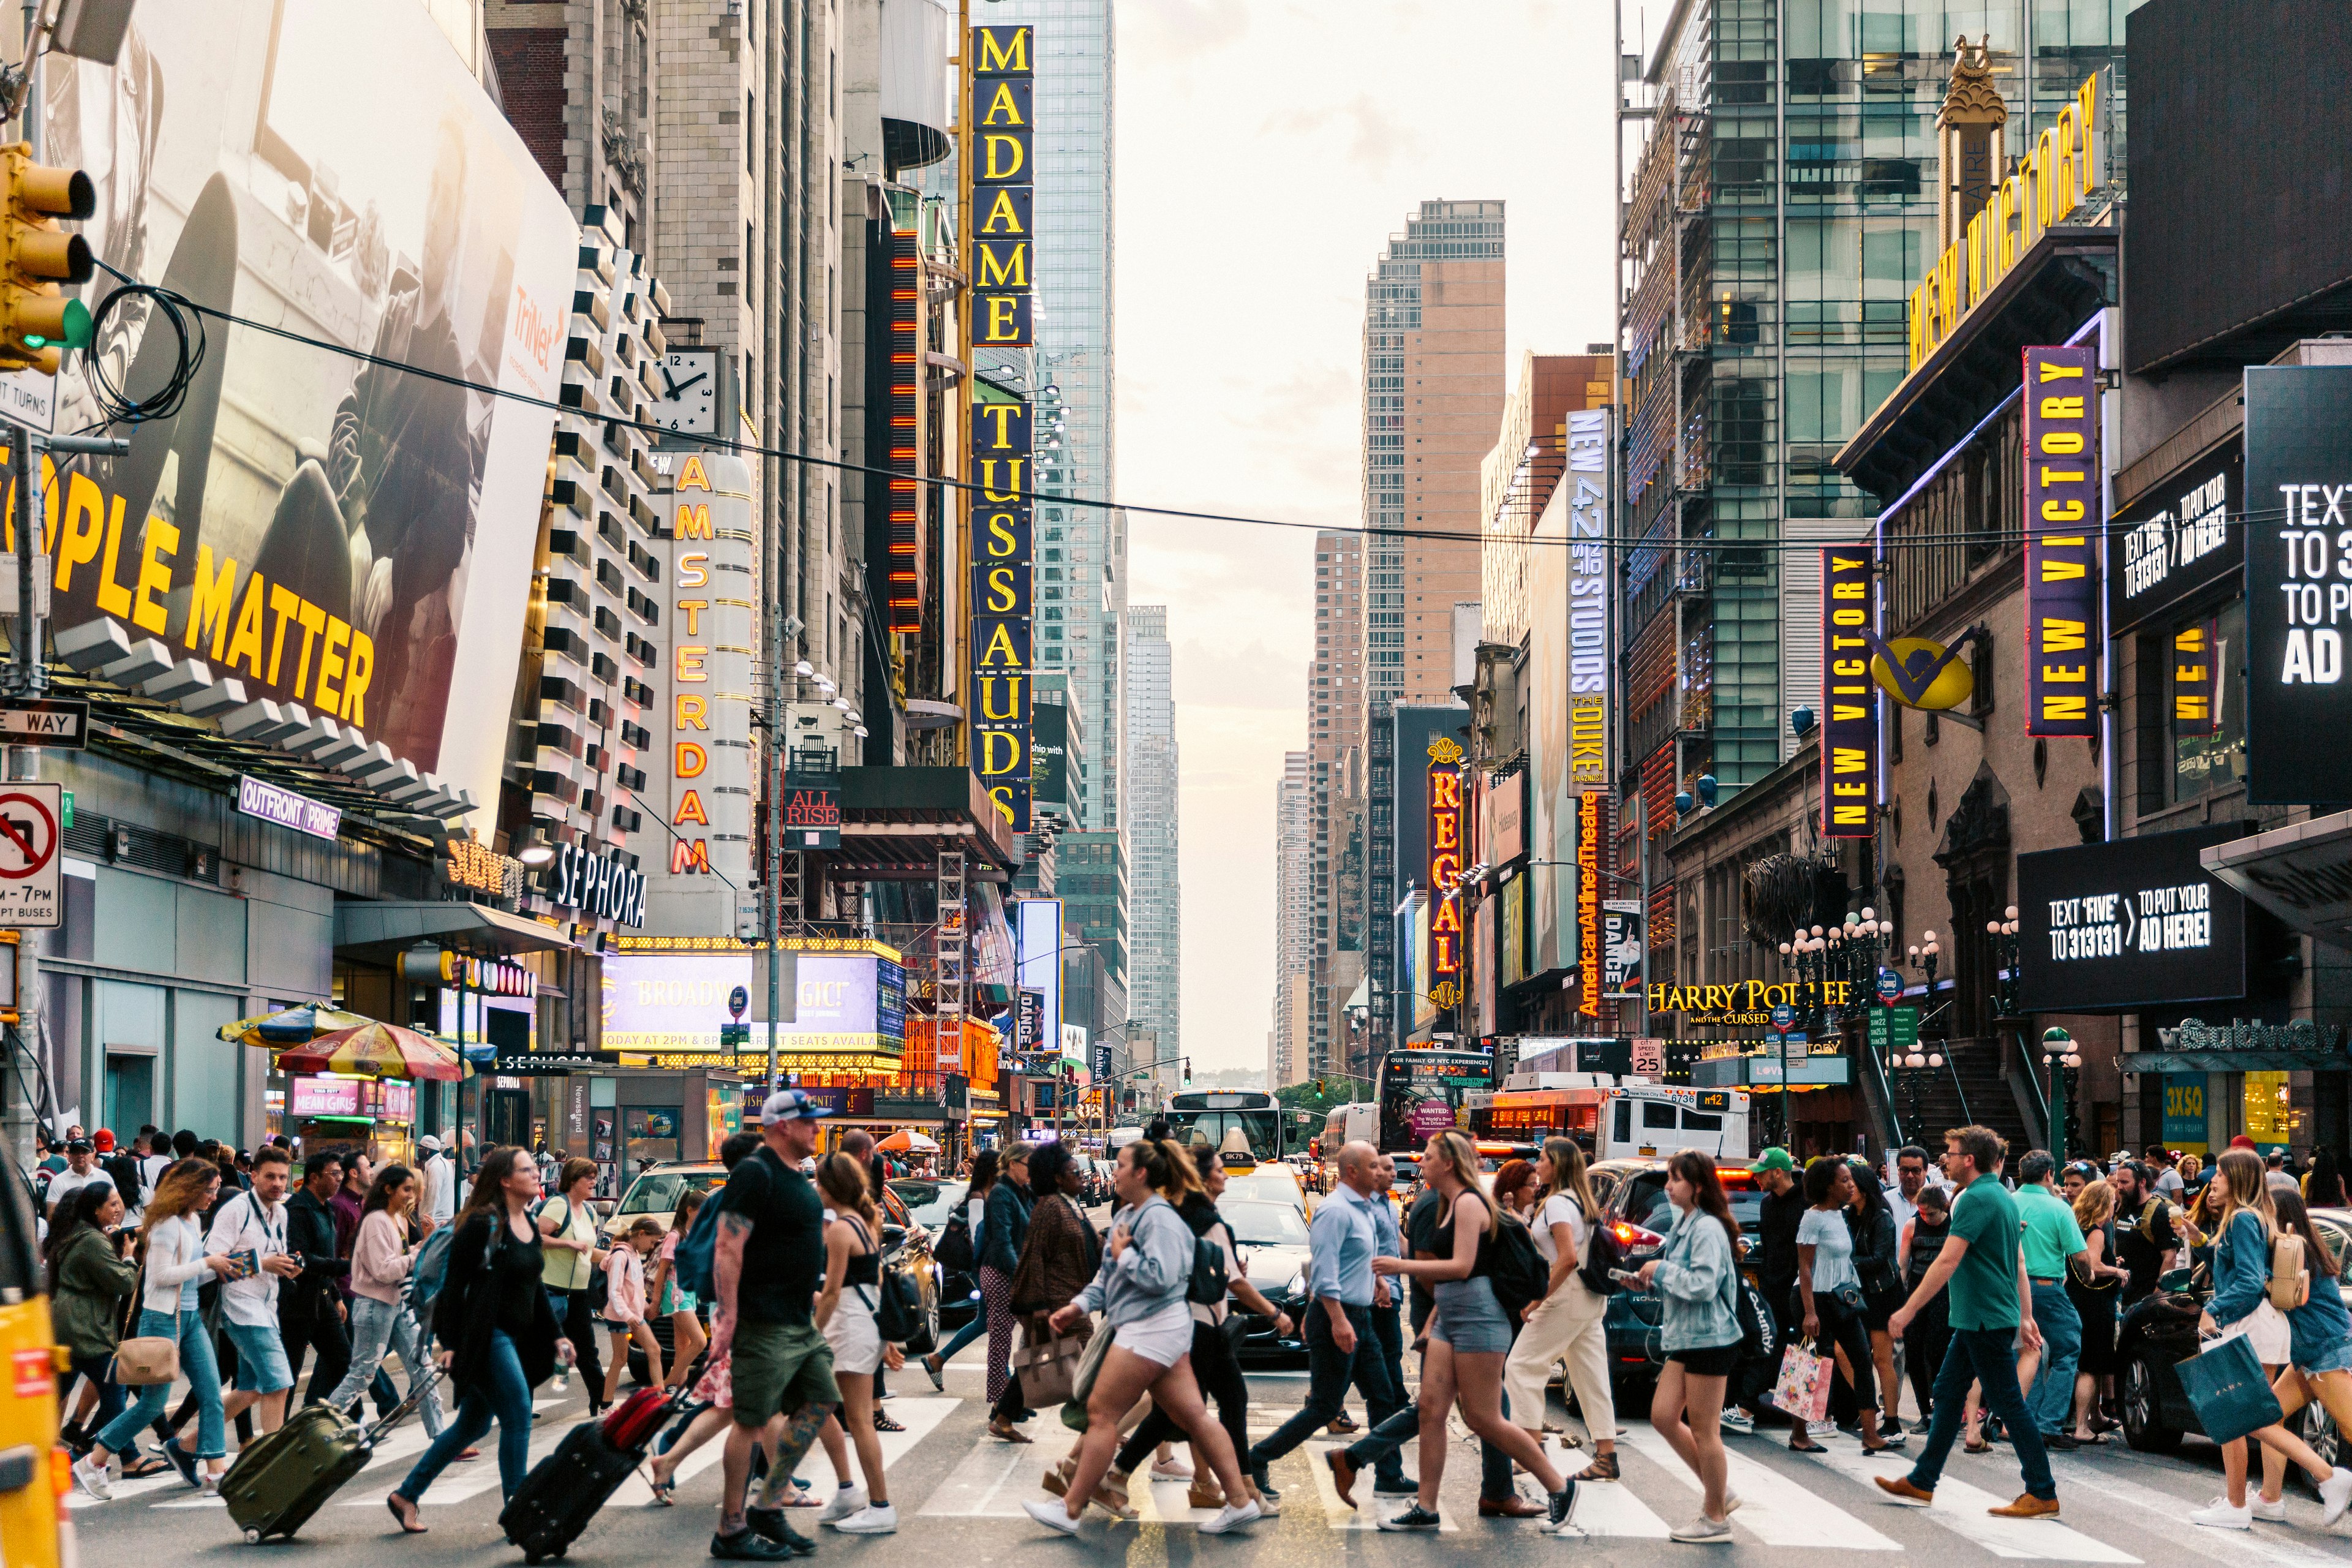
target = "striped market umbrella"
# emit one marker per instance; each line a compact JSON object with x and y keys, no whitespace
{"x":374,"y":1050}
{"x":293,"y":1026}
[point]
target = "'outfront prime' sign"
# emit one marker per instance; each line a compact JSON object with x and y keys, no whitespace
{"x":287,"y":809}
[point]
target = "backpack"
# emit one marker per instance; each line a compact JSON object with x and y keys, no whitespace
{"x":1207,"y":1284}
{"x":1519,"y":1273}
{"x":957,"y":1252}
{"x":1601,"y":1253}
{"x":425,"y":1276}
{"x":693,"y":1265}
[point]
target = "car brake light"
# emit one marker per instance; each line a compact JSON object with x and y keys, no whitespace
{"x":1631,"y":1235}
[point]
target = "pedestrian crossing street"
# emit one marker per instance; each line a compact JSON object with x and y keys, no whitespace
{"x":945,"y":1470}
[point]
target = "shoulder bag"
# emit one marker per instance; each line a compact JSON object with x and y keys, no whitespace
{"x":141,"y":1361}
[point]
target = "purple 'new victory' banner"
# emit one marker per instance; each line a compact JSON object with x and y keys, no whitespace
{"x":1849,"y":700}
{"x":2065,"y":513}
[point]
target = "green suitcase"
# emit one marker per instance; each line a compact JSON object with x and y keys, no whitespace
{"x":280,"y":1479}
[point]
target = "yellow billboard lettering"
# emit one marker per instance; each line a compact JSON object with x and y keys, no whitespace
{"x":285,"y":604}
{"x":1002,"y":541}
{"x":113,"y":598}
{"x":689,"y":662}
{"x":1001,"y":599}
{"x":154,"y":577}
{"x":1002,"y":217}
{"x":688,"y":857}
{"x":693,"y":522}
{"x":690,"y":809}
{"x":692,"y":610}
{"x":1848,"y":760}
{"x":2062,"y":408}
{"x":212,"y":600}
{"x":1002,"y":51}
{"x":1004,"y":319}
{"x":2057,"y":707}
{"x":1000,"y":653}
{"x":999,"y":417}
{"x":1003,"y":107}
{"x":687,"y":759}
{"x":2061,"y":442}
{"x":2061,"y":571}
{"x":331,"y":659}
{"x":358,"y":671}
{"x":1003,"y":266}
{"x":1000,"y":754}
{"x":245,"y":642}
{"x":312,"y":620}
{"x":85,"y":526}
{"x":2060,"y":370}
{"x":693,"y":713}
{"x":1003,"y":155}
{"x":691,"y":476}
{"x":2059,"y":635}
{"x":2072,"y":673}
{"x":2062,"y":511}
{"x":1000,"y":699}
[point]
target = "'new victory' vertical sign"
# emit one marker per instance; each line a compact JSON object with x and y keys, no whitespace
{"x":2064,"y":512}
{"x":1849,"y":699}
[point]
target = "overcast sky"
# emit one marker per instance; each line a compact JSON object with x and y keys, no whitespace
{"x":1266,"y":151}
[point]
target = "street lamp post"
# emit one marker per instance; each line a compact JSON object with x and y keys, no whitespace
{"x":2059,"y":1057}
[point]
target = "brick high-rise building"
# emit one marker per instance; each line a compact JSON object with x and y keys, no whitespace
{"x":1433,"y":400}
{"x":1294,"y":921}
{"x":1333,"y":791}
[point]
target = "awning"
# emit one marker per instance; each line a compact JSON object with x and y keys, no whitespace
{"x":2234,"y":1061}
{"x":381,"y":932}
{"x":2301,"y":873}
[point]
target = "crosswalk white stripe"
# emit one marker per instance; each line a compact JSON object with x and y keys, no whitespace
{"x":1773,"y":1507}
{"x":1961,"y":1508}
{"x":2158,"y":1510}
{"x":989,"y":1482}
{"x":1605,"y":1508}
{"x":1367,"y":1513}
{"x":919,"y":1417}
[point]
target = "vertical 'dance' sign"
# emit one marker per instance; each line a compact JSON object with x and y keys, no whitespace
{"x":2064,"y":514}
{"x":1444,"y":871}
{"x":1000,"y":174}
{"x":1849,"y":699}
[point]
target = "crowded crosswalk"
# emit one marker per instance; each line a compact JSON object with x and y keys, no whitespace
{"x":962,"y":1486}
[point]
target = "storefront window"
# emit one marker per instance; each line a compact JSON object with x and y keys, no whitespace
{"x":2207,"y":704}
{"x":650,"y":1133}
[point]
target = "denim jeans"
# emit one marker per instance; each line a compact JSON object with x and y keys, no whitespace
{"x":197,"y":1365}
{"x":1380,"y":1446}
{"x":1986,"y":1357}
{"x":2052,"y":1398}
{"x":1329,"y":1372}
{"x":974,"y":1328}
{"x":100,"y":1370}
{"x":377,"y":1326}
{"x":502,"y":1396}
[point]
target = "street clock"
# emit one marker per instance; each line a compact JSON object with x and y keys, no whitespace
{"x":688,"y":402}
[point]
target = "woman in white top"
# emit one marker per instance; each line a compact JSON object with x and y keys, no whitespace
{"x":1831,"y":1290}
{"x":844,"y":1315}
{"x":1565,"y":1324}
{"x":172,"y":1266}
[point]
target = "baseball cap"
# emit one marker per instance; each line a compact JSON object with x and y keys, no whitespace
{"x":791,"y":1105}
{"x":103,"y":1140}
{"x":77,"y":1146}
{"x":430,"y":1141}
{"x":1773,"y":1159}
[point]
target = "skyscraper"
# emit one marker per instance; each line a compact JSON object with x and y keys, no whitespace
{"x":1334,"y":790}
{"x":1081,"y":551}
{"x":1155,"y":928}
{"x":1294,"y":921}
{"x":1433,"y":399}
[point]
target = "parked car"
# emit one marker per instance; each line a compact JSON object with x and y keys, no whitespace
{"x":931,"y":1204}
{"x":1271,"y":1237}
{"x":1639,"y":1214}
{"x":2159,"y":1333}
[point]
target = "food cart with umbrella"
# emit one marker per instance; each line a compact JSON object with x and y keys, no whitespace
{"x":348,"y":1078}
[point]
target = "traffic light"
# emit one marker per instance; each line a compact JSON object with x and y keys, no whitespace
{"x":37,"y":322}
{"x":1188,"y":1069}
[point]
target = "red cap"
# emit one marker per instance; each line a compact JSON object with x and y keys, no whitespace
{"x":103,"y":1140}
{"x":2241,"y":1142}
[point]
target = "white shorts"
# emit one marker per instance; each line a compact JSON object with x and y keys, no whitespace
{"x":2265,"y":1328}
{"x":1162,"y":1339}
{"x":857,"y":1341}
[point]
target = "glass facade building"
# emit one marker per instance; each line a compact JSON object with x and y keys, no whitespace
{"x":1778,"y":216}
{"x":1156,"y":924}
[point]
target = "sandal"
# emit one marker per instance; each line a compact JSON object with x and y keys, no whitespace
{"x":149,"y":1464}
{"x":1878,"y":1448}
{"x":883,"y":1424}
{"x":1005,"y":1432}
{"x":409,"y":1523}
{"x":1806,"y":1447}
{"x":665,"y":1490}
{"x":1603,"y":1469}
{"x":1976,"y":1448}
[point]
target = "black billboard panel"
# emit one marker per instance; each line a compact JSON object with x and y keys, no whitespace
{"x":2298,"y":584}
{"x":2134,"y":923}
{"x":2176,"y":540}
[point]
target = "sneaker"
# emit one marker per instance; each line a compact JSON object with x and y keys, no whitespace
{"x":1268,"y":1507}
{"x":1265,"y":1488}
{"x":1704,"y":1531}
{"x":2219,"y":1515}
{"x":880,"y":1519}
{"x":1052,"y":1515}
{"x":209,"y":1485}
{"x":2334,"y":1493}
{"x":748,"y":1545}
{"x":1230,"y":1517}
{"x":1562,"y":1504}
{"x":1892,"y":1436}
{"x":1395,"y":1489}
{"x":182,"y":1460}
{"x":1817,"y":1430}
{"x":1738,"y":1422}
{"x":1170,"y":1471}
{"x":768,"y":1523}
{"x":846,"y":1500}
{"x":2271,"y":1509}
{"x":2027,"y":1506}
{"x":1414,"y":1518}
{"x":91,"y":1471}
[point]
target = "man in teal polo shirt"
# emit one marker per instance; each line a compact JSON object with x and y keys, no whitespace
{"x":2051,"y":1240}
{"x":1991,"y":1314}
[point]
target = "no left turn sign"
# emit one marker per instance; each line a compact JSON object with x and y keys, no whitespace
{"x":30,"y":866}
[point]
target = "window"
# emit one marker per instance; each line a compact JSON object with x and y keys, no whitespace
{"x":1624,"y":1119}
{"x":751,"y":153}
{"x":1657,"y":1114}
{"x":2205,"y":704}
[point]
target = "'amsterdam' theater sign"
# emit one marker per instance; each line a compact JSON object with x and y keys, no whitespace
{"x":2135,"y":923}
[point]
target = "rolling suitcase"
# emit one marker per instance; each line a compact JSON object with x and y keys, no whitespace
{"x":564,"y":1491}
{"x":280,"y":1479}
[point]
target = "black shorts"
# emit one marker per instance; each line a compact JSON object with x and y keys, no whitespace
{"x":1711,"y":1361}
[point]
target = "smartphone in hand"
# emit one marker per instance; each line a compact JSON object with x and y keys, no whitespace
{"x":1626,"y":1276}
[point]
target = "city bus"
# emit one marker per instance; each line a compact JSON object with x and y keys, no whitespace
{"x":1347,"y":1124}
{"x":1421,"y":1090}
{"x":1613,"y":1121}
{"x":1205,"y":1120}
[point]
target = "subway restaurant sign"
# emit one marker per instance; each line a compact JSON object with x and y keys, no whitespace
{"x":2067,"y":163}
{"x":1742,"y":1001}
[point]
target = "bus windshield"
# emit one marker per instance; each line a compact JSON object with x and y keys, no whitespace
{"x":1214,"y":1122}
{"x":1421,"y":1093}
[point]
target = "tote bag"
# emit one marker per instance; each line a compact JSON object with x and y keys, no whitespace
{"x":1048,"y":1370}
{"x":1803,"y":1391}
{"x":1073,"y":1409}
{"x":2226,"y":1387}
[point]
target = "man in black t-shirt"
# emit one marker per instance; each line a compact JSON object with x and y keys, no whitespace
{"x":765,"y":1261}
{"x":2145,"y":1239}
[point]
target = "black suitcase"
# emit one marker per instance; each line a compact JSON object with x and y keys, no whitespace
{"x":564,"y":1491}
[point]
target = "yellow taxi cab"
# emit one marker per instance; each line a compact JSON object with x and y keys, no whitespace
{"x":1248,"y":1178}
{"x":34,"y":1471}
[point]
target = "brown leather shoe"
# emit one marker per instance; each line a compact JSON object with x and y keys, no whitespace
{"x":2028,"y":1506}
{"x":1343,"y":1474}
{"x":1898,"y":1488}
{"x":1515,"y":1507}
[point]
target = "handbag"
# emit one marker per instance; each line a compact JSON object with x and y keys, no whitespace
{"x":141,"y":1361}
{"x":2226,"y":1387}
{"x":1082,"y":1388}
{"x":1048,"y":1371}
{"x":1804,"y":1390}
